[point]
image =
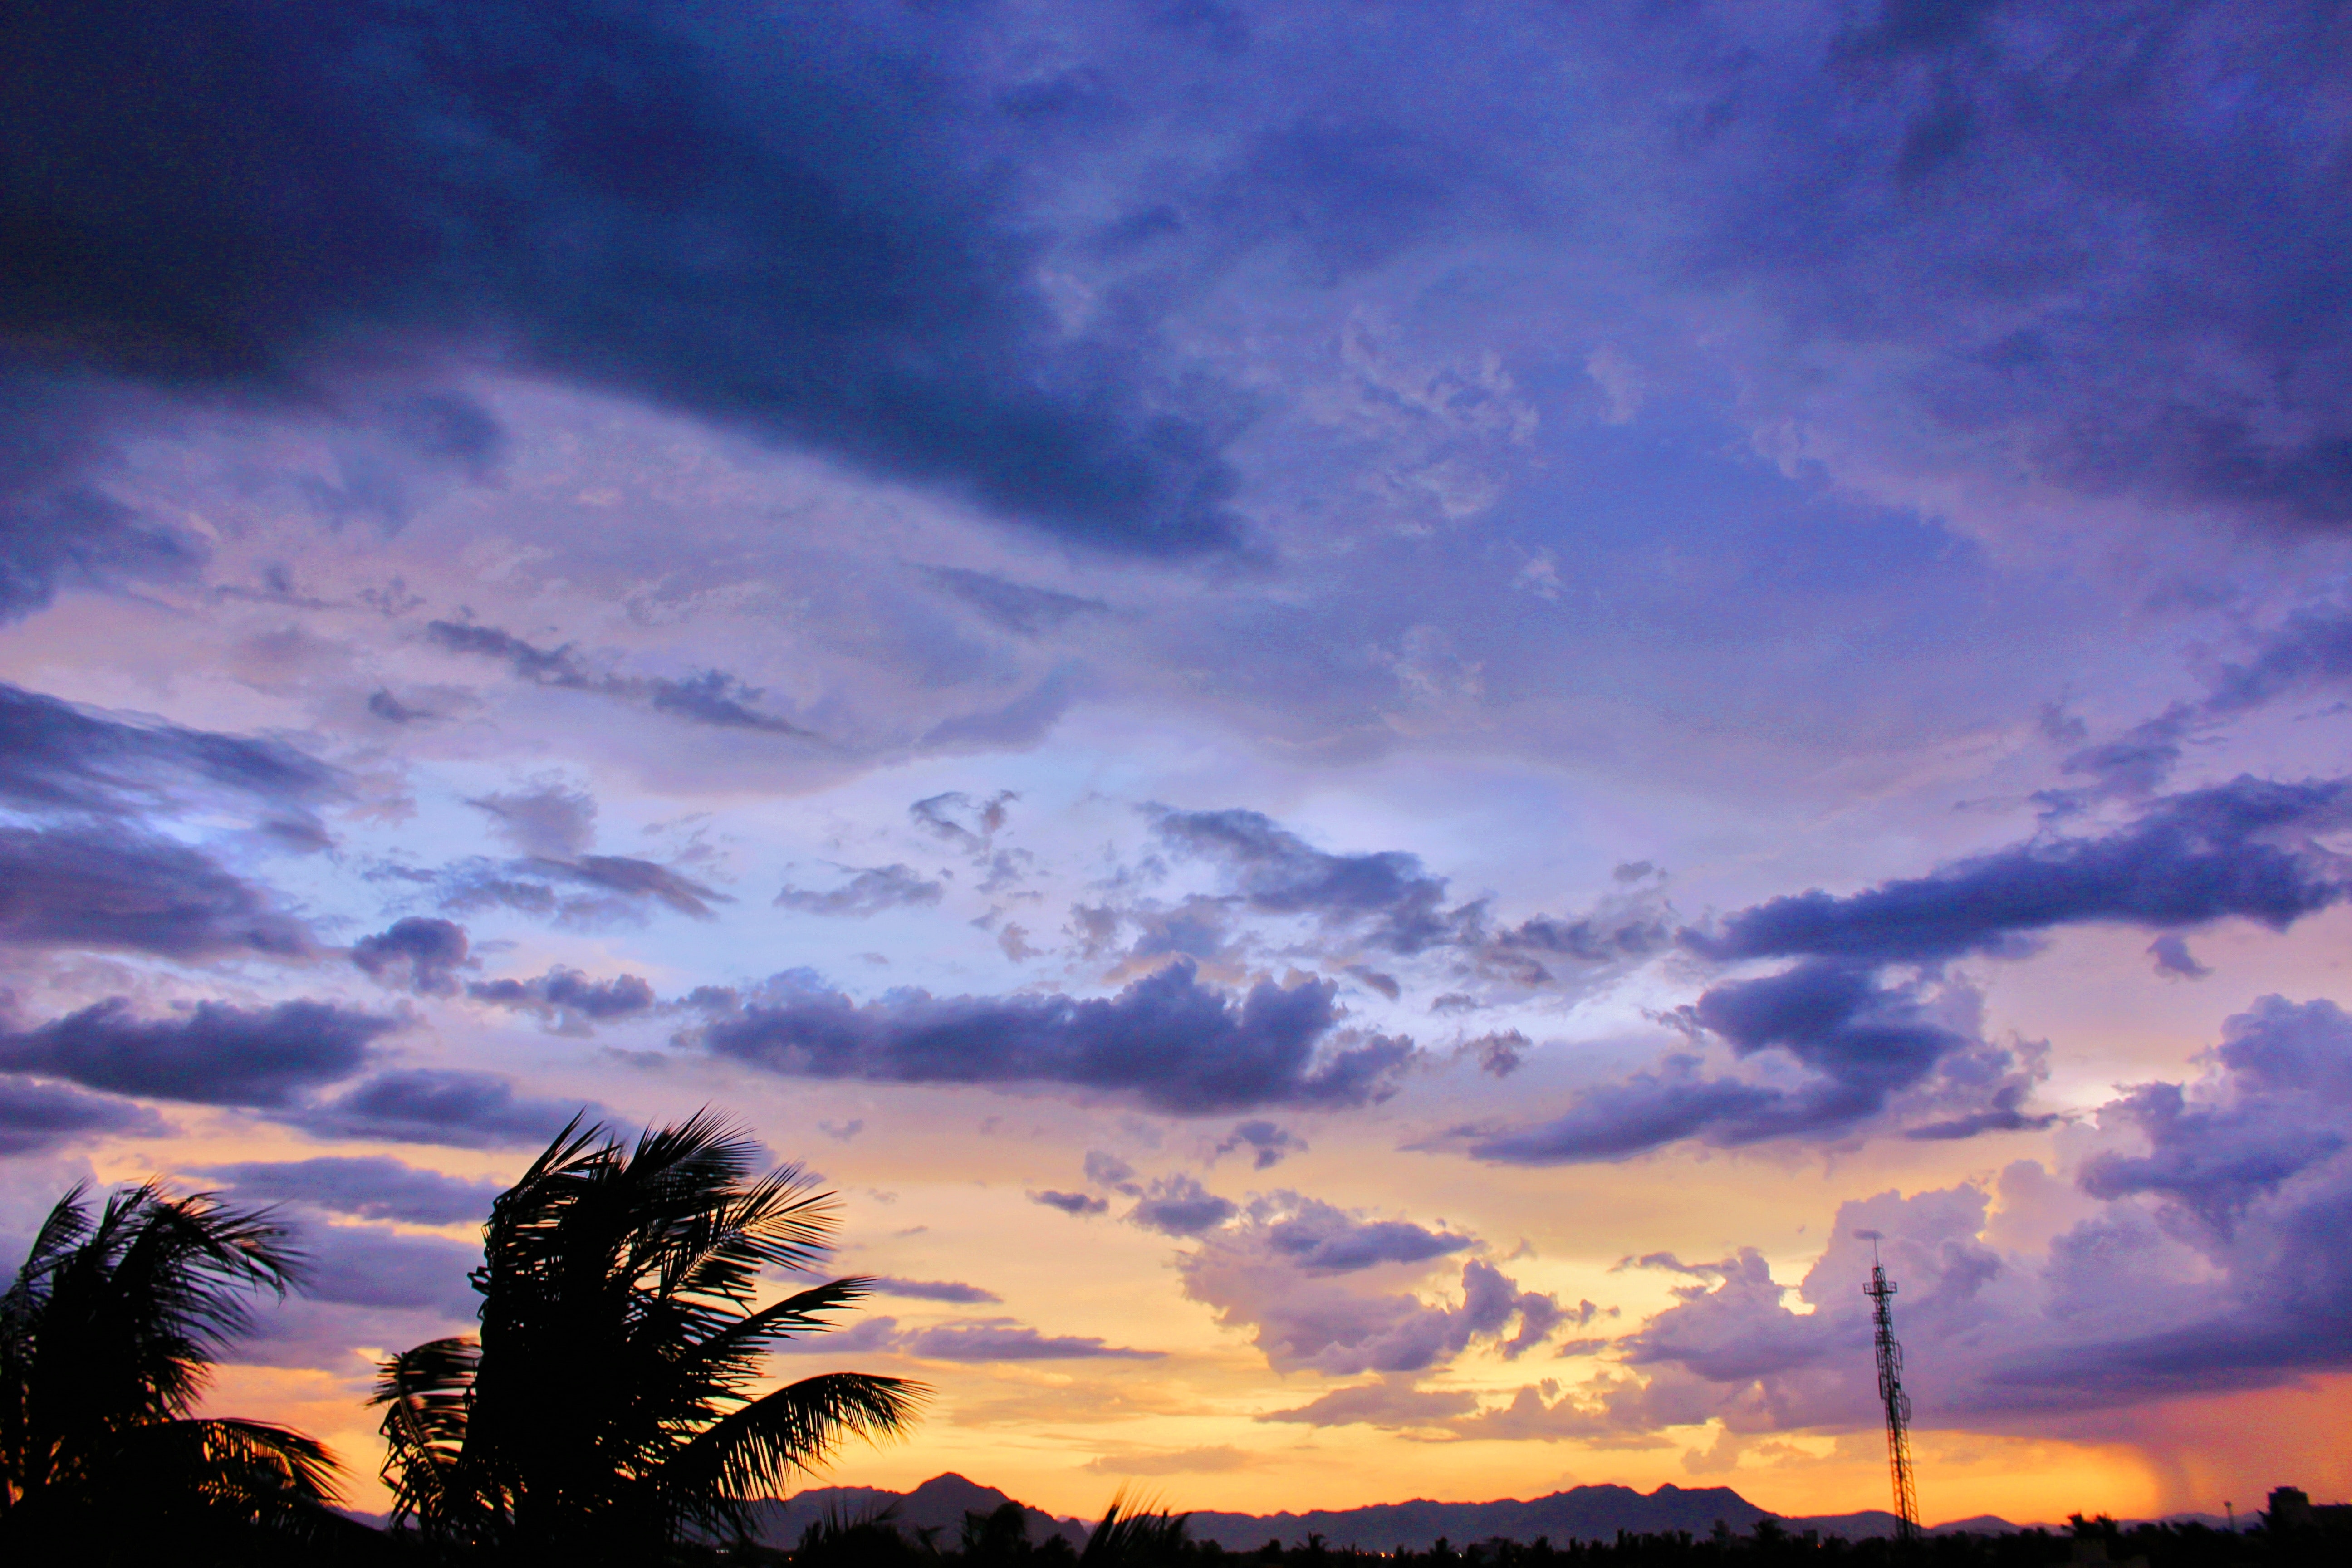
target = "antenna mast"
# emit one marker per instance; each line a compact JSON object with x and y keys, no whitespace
{"x":1880,"y":1290}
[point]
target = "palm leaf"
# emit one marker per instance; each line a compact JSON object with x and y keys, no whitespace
{"x":756,"y":1450}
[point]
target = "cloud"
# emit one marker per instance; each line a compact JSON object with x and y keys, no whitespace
{"x":417,"y":953}
{"x":1280,"y":873}
{"x":1316,"y":1285}
{"x":116,"y":887}
{"x":2204,"y":1248}
{"x":372,"y":1186}
{"x":869,"y":891}
{"x":551,"y":822}
{"x":1180,"y":1206}
{"x":2309,"y":651}
{"x":1266,"y":1142}
{"x":56,"y":757}
{"x":434,"y":1105}
{"x":37,"y":1116}
{"x":616,"y":888}
{"x":963,"y":821}
{"x":1384,"y":899}
{"x":1104,"y":1169}
{"x":2243,"y":848}
{"x":948,"y":1290}
{"x":58,"y":530}
{"x":365,"y":1266}
{"x":1213,"y":1460}
{"x":2173,"y":959}
{"x":210,"y":1054}
{"x":708,"y":696}
{"x":1173,"y":1043}
{"x":1077,"y":1204}
{"x":1873,"y":1044}
{"x":1015,"y":607}
{"x":571,"y":994}
{"x":1395,"y":1406}
{"x":1499,"y":1053}
{"x":1002,"y":1339}
{"x":1323,"y":1239}
{"x":653,"y":177}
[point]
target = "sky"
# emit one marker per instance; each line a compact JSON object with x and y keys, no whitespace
{"x":1374,"y":718}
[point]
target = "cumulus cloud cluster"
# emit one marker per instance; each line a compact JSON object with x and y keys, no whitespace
{"x":2201,"y":1243}
{"x":1169,"y":1040}
{"x":1318,"y":1289}
{"x":1868,"y":1012}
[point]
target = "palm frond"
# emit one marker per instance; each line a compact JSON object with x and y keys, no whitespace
{"x":1134,"y":1533}
{"x":427,"y":1392}
{"x":757,"y":1449}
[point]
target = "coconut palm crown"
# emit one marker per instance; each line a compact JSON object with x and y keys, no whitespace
{"x":606,"y":1410}
{"x":107,"y":1337}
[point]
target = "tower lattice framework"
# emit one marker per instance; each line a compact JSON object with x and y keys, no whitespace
{"x":1881,"y":1291}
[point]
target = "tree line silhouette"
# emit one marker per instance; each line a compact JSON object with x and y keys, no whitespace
{"x":603,"y":1413}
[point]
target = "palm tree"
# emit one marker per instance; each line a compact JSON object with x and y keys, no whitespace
{"x":604,"y":1410}
{"x":106,"y":1340}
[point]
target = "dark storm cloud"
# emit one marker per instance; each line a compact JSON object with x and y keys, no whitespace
{"x":56,"y":757}
{"x":869,"y":891}
{"x":418,"y":952}
{"x":212,"y":1053}
{"x":2242,"y":848}
{"x":785,"y":235}
{"x":1172,"y":1042}
{"x":569,"y":992}
{"x":432,"y":1105}
{"x":1883,"y":182}
{"x":373,"y":1186}
{"x":37,"y":1117}
{"x":708,"y":696}
{"x":117,"y":888}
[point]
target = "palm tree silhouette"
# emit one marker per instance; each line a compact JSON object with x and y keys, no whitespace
{"x":107,"y":1337}
{"x":605,"y":1412}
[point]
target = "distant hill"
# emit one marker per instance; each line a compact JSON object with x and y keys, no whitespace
{"x":939,"y":1504}
{"x":1584,"y":1513}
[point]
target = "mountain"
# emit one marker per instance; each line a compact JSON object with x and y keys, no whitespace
{"x":1584,"y":1513}
{"x":939,"y":1504}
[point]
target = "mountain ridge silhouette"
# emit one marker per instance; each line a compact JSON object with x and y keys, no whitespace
{"x":1584,"y":1513}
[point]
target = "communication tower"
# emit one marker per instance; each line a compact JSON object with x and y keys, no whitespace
{"x":1880,"y":1290}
